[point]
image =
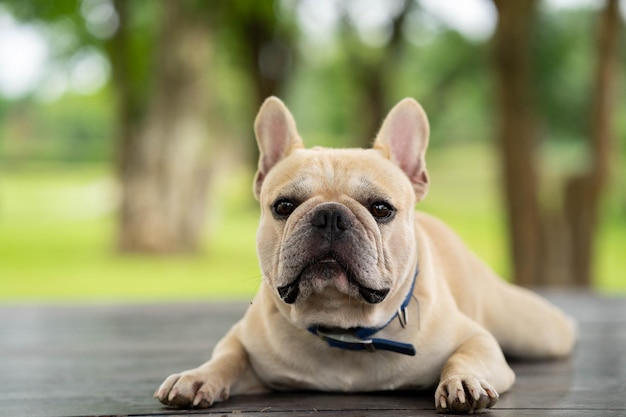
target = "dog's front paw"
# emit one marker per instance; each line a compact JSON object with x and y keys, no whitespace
{"x":464,"y":394}
{"x":192,"y":388}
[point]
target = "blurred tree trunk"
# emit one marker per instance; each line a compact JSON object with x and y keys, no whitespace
{"x":376,"y":80}
{"x":517,"y":134}
{"x":549,"y":248}
{"x":269,"y":58}
{"x":583,"y":193}
{"x":163,"y":137}
{"x":372,"y":74}
{"x":267,"y":53}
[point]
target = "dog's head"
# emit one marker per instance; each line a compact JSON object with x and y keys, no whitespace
{"x":336,"y":240}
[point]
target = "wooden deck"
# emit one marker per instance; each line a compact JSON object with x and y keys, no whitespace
{"x":102,"y":360}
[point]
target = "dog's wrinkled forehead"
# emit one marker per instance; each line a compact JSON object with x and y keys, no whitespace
{"x":334,"y":174}
{"x":357,"y":187}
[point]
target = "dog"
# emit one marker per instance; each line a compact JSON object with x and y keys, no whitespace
{"x":361,"y":292}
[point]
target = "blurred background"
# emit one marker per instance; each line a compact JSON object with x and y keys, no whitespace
{"x":127,"y":151}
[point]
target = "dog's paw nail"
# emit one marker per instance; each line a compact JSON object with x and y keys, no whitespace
{"x":461,"y":396}
{"x":476,"y":394}
{"x":491,"y":393}
{"x":442,"y":402}
{"x":173,"y":394}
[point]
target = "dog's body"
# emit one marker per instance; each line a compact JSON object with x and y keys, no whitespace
{"x":349,"y":266}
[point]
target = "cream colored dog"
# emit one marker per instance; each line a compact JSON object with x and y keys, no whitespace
{"x":362,"y":293}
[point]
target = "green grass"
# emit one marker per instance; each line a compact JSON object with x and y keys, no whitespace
{"x":57,"y":235}
{"x":57,"y":243}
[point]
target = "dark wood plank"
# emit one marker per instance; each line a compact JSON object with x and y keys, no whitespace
{"x":108,"y":359}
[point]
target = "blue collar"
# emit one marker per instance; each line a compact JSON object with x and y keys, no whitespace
{"x":359,"y":338}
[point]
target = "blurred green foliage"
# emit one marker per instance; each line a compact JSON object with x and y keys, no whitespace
{"x":73,"y":129}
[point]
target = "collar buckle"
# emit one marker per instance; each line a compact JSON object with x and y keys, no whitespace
{"x":403,"y":317}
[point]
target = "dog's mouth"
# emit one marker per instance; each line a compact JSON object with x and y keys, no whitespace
{"x":329,"y":269}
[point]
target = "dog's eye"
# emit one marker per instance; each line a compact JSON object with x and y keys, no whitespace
{"x":381,"y":211}
{"x":283,"y":208}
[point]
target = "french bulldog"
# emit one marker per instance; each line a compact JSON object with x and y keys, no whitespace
{"x":361,"y":292}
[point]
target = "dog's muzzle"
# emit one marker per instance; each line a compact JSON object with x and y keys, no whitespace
{"x":327,"y":253}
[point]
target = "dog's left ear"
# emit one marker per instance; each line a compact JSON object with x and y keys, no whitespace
{"x":403,"y":139}
{"x":277,"y":137}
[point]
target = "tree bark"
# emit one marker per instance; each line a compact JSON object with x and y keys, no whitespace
{"x":517,"y":134}
{"x":583,"y":193}
{"x":163,"y":157}
{"x":550,"y":247}
{"x":268,"y":55}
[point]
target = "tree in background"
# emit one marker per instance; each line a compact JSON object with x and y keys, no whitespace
{"x":549,"y":248}
{"x":372,"y":70}
{"x":374,"y":62}
{"x":162,"y":56}
{"x":163,"y":153}
{"x":261,"y":36}
{"x":583,"y":193}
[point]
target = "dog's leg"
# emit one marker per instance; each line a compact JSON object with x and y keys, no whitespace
{"x":228,"y":372}
{"x":472,"y":377}
{"x":526,"y":325}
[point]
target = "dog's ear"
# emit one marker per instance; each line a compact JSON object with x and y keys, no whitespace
{"x":403,"y":138}
{"x":276,"y":136}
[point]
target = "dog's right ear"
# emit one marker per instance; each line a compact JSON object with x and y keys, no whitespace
{"x":276,"y":136}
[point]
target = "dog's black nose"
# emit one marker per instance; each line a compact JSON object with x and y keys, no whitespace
{"x":331,"y":222}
